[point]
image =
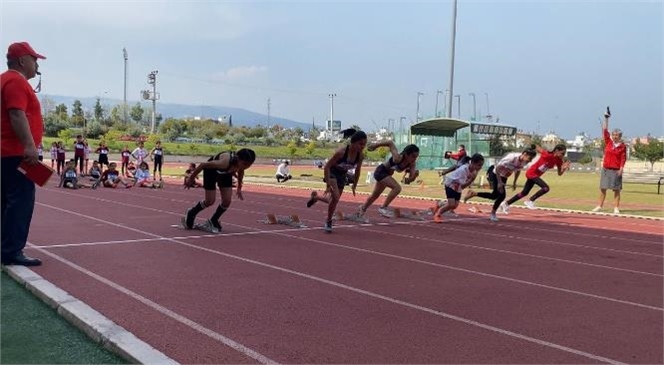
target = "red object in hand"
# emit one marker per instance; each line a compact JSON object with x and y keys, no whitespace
{"x":38,"y":173}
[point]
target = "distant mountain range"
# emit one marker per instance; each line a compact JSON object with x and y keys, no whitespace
{"x":169,"y":110}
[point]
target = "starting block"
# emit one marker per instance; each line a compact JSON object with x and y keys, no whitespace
{"x":475,"y":210}
{"x":292,"y":220}
{"x":413,"y":214}
{"x":355,"y":217}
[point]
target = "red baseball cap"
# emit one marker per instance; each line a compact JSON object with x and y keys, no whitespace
{"x":20,"y":49}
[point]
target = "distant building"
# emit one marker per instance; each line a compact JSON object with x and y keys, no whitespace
{"x":579,"y":143}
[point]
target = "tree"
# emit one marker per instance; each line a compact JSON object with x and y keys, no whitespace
{"x":496,"y":146}
{"x":48,"y":105}
{"x":536,"y":140}
{"x":77,"y":114}
{"x":292,"y":148}
{"x":99,"y":111}
{"x":95,"y":130}
{"x":652,"y":151}
{"x":65,"y":135}
{"x":53,"y":125}
{"x":61,"y":112}
{"x":310,"y":148}
{"x":136,"y":113}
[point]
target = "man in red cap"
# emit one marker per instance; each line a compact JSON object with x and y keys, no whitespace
{"x":21,"y":129}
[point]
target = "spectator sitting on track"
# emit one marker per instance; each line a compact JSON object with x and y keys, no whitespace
{"x":131,"y":170}
{"x":283,"y":172}
{"x":143,"y":177}
{"x":187,"y":174}
{"x":95,"y":171}
{"x":110,"y":178}
{"x":69,"y":179}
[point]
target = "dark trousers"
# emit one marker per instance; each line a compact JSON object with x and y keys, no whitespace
{"x":544,"y":188}
{"x":78,"y":160}
{"x":18,"y":203}
{"x":496,"y":195}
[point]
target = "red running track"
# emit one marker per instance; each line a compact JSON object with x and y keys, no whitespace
{"x":537,"y":287}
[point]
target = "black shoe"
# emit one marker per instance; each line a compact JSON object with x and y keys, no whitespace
{"x":312,"y":200}
{"x":22,"y":260}
{"x":189,"y":219}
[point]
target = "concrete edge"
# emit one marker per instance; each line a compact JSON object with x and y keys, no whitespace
{"x":95,"y":325}
{"x":560,"y":210}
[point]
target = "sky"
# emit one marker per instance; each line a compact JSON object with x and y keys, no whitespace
{"x":539,"y":66}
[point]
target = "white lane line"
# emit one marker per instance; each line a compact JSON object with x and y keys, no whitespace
{"x":165,"y":311}
{"x":403,"y":258}
{"x":355,"y":290}
{"x":442,"y":265}
{"x":508,"y":224}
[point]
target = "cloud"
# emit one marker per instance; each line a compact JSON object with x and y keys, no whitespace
{"x":154,"y":21}
{"x":240,"y":73}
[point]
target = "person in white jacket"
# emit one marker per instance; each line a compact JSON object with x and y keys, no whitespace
{"x":283,"y":172}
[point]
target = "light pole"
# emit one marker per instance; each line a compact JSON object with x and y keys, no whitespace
{"x":458,"y":106}
{"x":474,"y":107}
{"x":401,"y":123}
{"x":101,"y":104}
{"x":268,"y":115}
{"x":152,"y":80}
{"x":331,"y":122}
{"x":126,"y":57}
{"x":454,"y":16}
{"x":488,"y":112}
{"x":438,"y":92}
{"x":417,"y":117}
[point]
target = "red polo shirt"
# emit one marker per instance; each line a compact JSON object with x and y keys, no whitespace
{"x":615,"y":154}
{"x":18,"y":94}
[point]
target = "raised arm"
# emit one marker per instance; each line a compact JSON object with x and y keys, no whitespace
{"x":396,"y":156}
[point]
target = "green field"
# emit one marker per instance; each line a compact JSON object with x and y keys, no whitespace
{"x":33,"y":333}
{"x":573,"y":190}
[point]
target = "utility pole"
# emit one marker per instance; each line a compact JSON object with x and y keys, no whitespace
{"x":152,"y":80}
{"x":331,"y":122}
{"x":126,"y":58}
{"x":268,"y":114}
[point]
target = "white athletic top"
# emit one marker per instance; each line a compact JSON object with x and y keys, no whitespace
{"x":460,"y":177}
{"x":510,"y":163}
{"x":283,"y":170}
